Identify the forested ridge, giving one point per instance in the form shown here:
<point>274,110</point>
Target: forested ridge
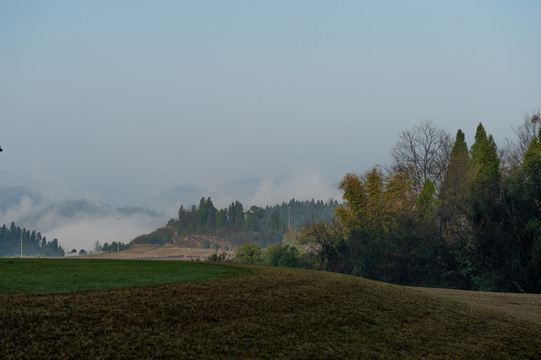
<point>442,214</point>
<point>235,226</point>
<point>33,243</point>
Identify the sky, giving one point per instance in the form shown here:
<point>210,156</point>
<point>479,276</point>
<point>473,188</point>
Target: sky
<point>155,103</point>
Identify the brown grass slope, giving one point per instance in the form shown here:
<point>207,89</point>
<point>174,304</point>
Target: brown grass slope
<point>524,306</point>
<point>263,313</point>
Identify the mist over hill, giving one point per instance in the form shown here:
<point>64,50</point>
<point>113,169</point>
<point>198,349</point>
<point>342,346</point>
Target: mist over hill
<point>11,196</point>
<point>77,224</point>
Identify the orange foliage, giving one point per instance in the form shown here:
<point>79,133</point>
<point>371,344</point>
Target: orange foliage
<point>374,202</point>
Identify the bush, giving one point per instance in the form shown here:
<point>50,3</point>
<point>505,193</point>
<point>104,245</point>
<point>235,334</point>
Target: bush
<point>223,257</point>
<point>248,254</point>
<point>286,256</point>
<point>290,257</point>
<point>272,255</point>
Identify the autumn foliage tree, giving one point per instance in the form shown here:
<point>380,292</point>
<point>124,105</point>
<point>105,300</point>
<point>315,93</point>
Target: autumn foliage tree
<point>388,225</point>
<point>466,222</point>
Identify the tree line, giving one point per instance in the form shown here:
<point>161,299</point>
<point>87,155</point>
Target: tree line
<point>257,225</point>
<point>442,214</point>
<point>33,243</point>
<point>109,248</point>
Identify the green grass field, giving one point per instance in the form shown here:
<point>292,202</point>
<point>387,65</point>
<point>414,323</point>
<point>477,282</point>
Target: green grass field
<point>257,312</point>
<point>50,276</point>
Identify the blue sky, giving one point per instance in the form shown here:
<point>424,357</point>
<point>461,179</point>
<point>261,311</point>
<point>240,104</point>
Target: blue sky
<point>121,101</point>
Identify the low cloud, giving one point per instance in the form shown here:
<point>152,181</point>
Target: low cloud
<point>84,233</point>
<point>79,224</point>
<point>306,184</point>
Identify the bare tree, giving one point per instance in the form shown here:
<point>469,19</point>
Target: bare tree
<point>423,152</point>
<point>512,154</point>
<point>527,132</point>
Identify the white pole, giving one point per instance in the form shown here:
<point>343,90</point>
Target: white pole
<point>289,218</point>
<point>21,243</point>
<point>118,244</point>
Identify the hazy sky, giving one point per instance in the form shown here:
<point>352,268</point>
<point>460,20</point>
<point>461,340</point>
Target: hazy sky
<point>121,101</point>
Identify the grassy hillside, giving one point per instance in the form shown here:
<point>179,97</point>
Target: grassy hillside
<point>260,313</point>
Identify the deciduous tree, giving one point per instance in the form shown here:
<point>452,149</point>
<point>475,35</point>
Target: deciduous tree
<point>423,153</point>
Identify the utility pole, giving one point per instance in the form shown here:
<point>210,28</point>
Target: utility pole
<point>289,218</point>
<point>118,244</point>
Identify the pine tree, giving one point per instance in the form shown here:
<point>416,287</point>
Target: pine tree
<point>275,227</point>
<point>236,215</point>
<point>221,220</point>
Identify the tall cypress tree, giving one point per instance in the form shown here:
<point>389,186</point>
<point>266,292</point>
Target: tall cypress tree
<point>485,184</point>
<point>454,188</point>
<point>480,138</point>
<point>489,248</point>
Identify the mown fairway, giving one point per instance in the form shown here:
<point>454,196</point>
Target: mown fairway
<point>260,312</point>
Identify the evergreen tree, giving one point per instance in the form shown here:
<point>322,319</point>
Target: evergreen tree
<point>531,167</point>
<point>485,184</point>
<point>275,228</point>
<point>427,205</point>
<point>488,247</point>
<point>206,216</point>
<point>221,220</point>
<point>480,138</point>
<point>530,210</point>
<point>253,219</point>
<point>32,242</point>
<point>454,191</point>
<point>236,215</point>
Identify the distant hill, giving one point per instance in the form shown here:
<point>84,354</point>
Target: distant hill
<point>83,208</point>
<point>77,224</point>
<point>206,226</point>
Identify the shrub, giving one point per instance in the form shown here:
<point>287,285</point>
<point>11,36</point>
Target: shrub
<point>223,257</point>
<point>248,254</point>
